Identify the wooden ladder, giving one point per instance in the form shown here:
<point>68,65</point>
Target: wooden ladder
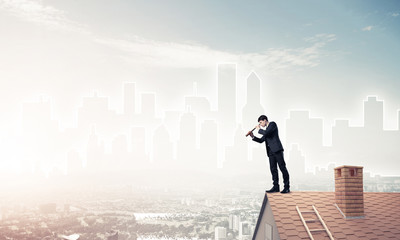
<point>310,231</point>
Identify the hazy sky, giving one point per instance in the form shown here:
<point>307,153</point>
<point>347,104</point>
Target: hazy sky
<point>326,56</point>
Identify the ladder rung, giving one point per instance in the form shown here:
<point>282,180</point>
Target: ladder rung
<point>311,220</point>
<point>317,230</point>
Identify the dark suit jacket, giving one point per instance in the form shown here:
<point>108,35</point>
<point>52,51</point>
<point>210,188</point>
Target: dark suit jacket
<point>271,138</point>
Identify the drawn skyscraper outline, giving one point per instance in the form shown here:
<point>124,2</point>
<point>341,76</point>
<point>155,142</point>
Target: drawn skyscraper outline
<point>227,90</point>
<point>373,113</point>
<point>253,107</point>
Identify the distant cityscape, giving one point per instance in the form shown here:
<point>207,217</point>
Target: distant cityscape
<point>125,212</point>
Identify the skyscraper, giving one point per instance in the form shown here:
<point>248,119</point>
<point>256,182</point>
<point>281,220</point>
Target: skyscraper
<point>227,91</point>
<point>236,222</point>
<point>226,104</point>
<point>296,162</point>
<point>253,108</point>
<point>220,233</point>
<point>244,231</point>
<point>373,113</point>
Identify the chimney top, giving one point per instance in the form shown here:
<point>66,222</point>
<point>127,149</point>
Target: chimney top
<point>348,166</point>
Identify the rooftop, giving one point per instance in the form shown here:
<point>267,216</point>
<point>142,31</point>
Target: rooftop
<point>381,218</point>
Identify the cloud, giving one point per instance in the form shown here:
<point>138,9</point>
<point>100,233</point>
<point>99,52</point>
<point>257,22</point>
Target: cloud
<point>189,55</point>
<point>395,14</point>
<point>367,28</point>
<point>35,11</point>
<point>169,54</point>
<point>321,38</point>
<point>142,52</point>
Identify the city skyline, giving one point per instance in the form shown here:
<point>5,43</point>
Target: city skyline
<point>136,137</point>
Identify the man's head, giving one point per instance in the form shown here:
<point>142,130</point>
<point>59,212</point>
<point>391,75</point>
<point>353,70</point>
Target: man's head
<point>262,120</point>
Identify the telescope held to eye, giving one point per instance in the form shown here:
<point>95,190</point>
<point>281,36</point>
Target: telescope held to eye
<point>250,132</point>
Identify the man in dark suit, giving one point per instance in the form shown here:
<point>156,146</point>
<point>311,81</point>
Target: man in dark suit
<point>274,152</point>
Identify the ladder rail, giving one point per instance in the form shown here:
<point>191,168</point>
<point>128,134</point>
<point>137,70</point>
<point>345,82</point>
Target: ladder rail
<point>304,223</point>
<point>325,229</point>
<point>323,223</point>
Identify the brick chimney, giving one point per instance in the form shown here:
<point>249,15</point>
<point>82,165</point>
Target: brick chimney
<point>349,194</point>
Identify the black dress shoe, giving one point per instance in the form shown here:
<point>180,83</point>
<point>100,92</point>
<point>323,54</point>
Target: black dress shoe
<point>285,190</point>
<point>273,189</point>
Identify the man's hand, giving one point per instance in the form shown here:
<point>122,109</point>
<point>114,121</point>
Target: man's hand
<point>251,134</point>
<point>258,127</point>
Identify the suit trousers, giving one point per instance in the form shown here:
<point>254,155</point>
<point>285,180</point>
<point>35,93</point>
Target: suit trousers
<point>274,160</point>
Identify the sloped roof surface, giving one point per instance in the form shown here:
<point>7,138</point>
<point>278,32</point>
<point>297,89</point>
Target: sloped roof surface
<point>381,220</point>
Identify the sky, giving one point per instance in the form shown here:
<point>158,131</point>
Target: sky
<point>325,56</point>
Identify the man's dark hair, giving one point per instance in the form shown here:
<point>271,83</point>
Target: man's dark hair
<point>262,118</point>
